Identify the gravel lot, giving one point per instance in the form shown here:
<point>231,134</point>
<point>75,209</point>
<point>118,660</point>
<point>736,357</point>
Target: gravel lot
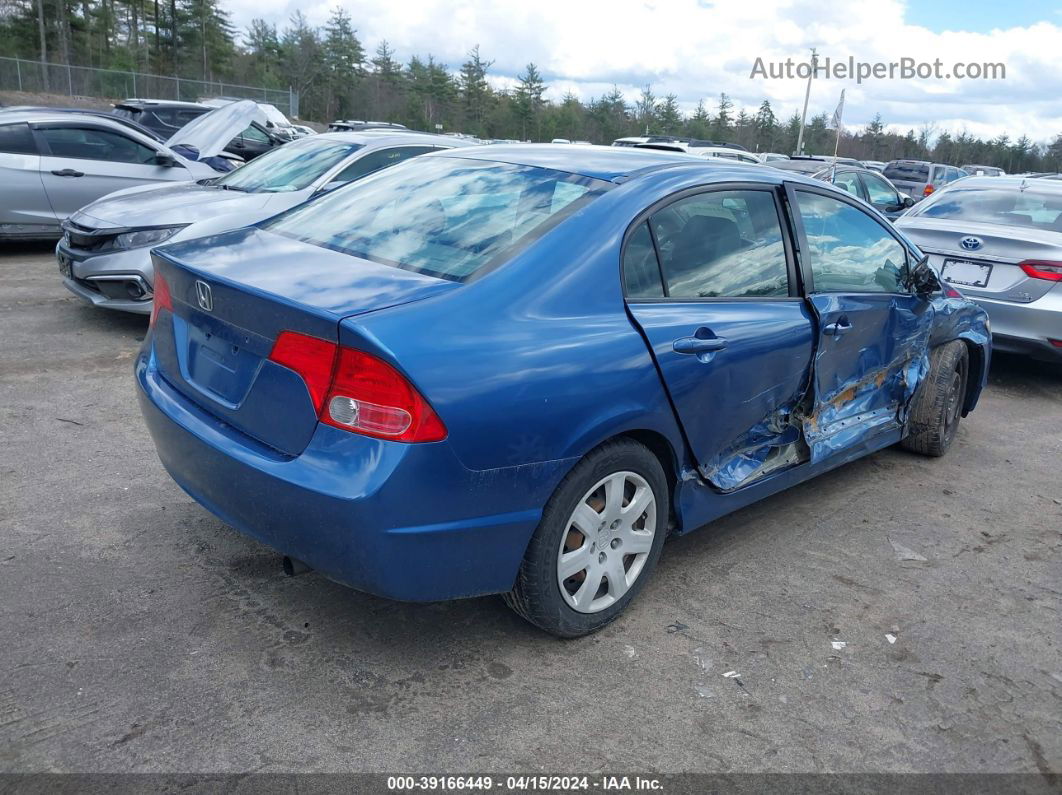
<point>142,634</point>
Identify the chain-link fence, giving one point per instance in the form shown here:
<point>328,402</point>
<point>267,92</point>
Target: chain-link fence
<point>19,74</point>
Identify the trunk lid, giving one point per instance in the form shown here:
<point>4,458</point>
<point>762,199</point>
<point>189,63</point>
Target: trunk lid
<point>234,293</point>
<point>981,260</point>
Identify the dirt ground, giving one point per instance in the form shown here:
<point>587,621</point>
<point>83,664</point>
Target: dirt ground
<point>142,634</point>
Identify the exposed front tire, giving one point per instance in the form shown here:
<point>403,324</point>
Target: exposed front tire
<point>937,406</point>
<point>600,537</point>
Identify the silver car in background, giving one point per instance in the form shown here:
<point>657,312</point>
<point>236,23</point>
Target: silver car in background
<point>920,178</point>
<point>998,240</point>
<point>52,163</point>
<point>104,253</point>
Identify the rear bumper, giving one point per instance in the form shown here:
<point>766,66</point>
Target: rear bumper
<point>401,521</point>
<point>1027,328</point>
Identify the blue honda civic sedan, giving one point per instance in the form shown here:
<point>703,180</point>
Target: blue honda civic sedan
<point>518,369</point>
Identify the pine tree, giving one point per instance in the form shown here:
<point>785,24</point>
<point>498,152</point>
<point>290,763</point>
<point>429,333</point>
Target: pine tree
<point>474,90</point>
<point>766,128</point>
<point>528,100</point>
<point>669,119</point>
<point>874,134</point>
<point>699,125</point>
<point>263,47</point>
<point>343,62</point>
<point>645,110</point>
<point>722,122</point>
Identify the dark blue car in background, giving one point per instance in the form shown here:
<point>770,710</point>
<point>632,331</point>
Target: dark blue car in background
<point>517,369</point>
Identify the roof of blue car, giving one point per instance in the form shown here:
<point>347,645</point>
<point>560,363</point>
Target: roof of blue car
<point>599,162</point>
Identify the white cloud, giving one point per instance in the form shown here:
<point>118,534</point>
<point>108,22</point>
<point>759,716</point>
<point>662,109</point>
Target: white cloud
<point>698,49</point>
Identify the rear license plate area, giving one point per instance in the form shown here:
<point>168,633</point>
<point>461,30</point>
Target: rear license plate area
<point>219,361</point>
<point>966,273</point>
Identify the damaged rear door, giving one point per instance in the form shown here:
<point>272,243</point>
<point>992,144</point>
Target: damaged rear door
<point>711,281</point>
<point>872,330</point>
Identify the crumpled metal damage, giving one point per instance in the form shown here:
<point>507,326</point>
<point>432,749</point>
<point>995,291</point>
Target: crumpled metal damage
<point>843,406</point>
<point>850,416</point>
<point>874,395</point>
<point>768,446</point>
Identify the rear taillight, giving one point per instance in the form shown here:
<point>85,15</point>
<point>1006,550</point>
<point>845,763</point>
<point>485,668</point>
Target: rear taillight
<point>951,292</point>
<point>927,190</point>
<point>162,299</point>
<point>310,357</point>
<point>358,392</point>
<point>1042,269</point>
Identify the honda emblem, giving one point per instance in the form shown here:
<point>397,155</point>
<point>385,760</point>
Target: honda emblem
<point>205,296</point>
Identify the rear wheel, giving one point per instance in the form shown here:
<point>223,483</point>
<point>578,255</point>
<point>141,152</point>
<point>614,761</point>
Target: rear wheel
<point>937,406</point>
<point>600,536</point>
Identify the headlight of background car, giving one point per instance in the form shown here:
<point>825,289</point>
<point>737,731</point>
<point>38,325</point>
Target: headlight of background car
<point>145,237</point>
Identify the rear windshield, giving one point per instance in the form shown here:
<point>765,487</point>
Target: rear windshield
<point>126,113</point>
<point>909,172</point>
<point>800,166</point>
<point>1011,207</point>
<point>442,216</point>
<point>291,167</point>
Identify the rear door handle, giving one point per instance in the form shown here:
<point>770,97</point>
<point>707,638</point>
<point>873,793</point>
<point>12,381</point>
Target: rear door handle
<point>698,345</point>
<point>842,326</point>
<point>68,172</point>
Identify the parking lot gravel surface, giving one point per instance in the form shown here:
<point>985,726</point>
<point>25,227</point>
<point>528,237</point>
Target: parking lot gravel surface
<point>899,614</point>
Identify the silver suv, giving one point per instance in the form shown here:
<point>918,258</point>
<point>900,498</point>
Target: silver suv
<point>919,178</point>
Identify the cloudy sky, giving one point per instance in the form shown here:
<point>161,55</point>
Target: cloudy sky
<point>697,48</point>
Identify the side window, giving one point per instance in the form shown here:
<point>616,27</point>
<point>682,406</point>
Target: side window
<point>165,115</point>
<point>848,251</point>
<point>722,244</point>
<point>17,139</point>
<point>381,158</point>
<point>879,191</point>
<point>641,272</point>
<point>252,133</point>
<point>848,181</point>
<point>185,116</point>
<point>91,144</point>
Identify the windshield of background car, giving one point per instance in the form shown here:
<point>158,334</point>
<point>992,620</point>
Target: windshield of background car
<point>1010,207</point>
<point>907,172</point>
<point>290,167</point>
<point>443,216</point>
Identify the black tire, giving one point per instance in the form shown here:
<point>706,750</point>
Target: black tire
<point>937,406</point>
<point>536,596</point>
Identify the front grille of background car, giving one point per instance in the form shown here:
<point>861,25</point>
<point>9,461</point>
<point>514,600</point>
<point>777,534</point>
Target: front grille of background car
<point>85,238</point>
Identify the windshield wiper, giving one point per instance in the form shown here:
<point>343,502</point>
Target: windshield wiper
<point>233,187</point>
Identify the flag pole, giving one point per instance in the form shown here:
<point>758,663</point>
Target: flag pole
<point>807,96</point>
<point>837,114</point>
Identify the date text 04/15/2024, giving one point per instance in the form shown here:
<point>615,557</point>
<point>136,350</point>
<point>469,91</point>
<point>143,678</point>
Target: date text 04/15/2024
<point>531,783</point>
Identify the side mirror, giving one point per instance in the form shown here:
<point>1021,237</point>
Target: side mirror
<point>907,201</point>
<point>165,159</point>
<point>923,279</point>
